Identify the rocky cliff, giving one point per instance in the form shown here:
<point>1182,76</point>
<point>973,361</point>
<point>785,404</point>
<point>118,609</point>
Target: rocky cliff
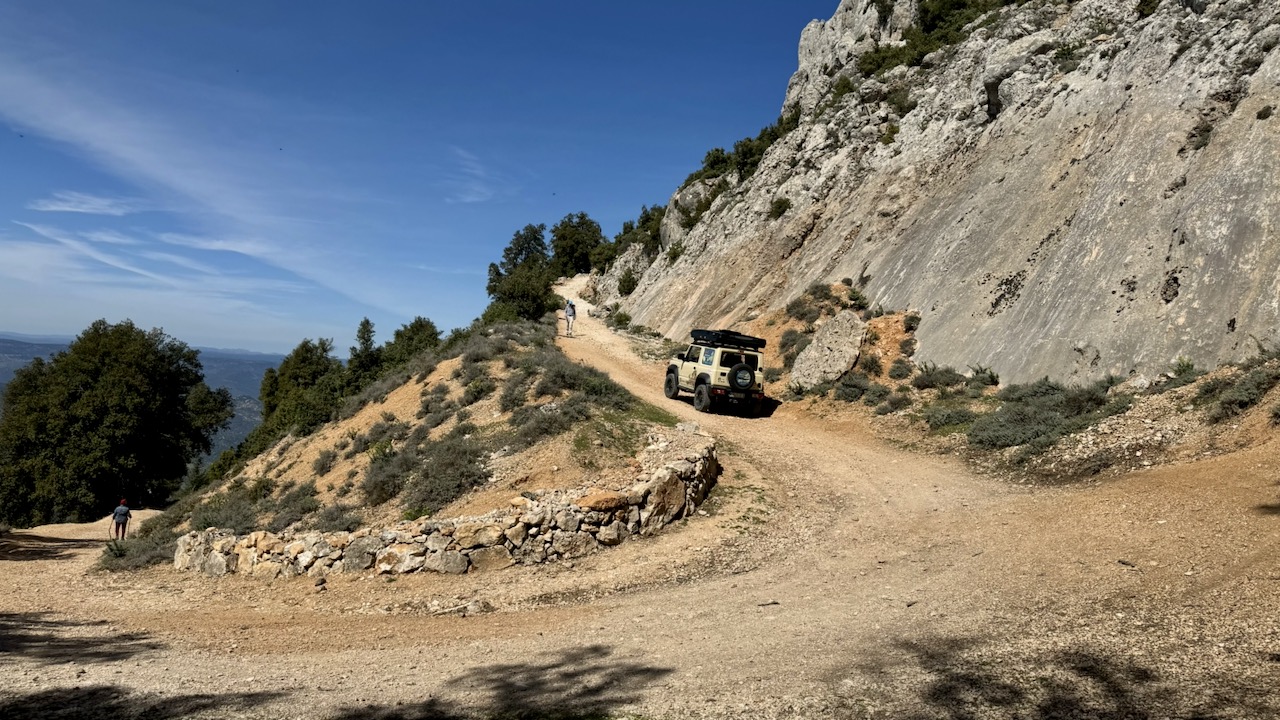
<point>1073,189</point>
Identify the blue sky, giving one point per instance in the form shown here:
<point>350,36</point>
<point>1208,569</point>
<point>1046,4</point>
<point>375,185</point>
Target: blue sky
<point>249,174</point>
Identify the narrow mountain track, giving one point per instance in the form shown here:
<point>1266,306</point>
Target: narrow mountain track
<point>836,576</point>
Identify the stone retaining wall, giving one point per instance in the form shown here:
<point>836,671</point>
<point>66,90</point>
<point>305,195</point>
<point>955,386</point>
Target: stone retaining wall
<point>536,528</point>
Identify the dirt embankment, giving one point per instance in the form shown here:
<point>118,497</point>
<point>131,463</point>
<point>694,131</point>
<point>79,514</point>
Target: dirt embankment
<point>835,576</point>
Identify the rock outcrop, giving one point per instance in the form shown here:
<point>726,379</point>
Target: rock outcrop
<point>536,528</point>
<point>832,353</point>
<point>1073,190</point>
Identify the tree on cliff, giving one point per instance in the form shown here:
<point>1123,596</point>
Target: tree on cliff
<point>119,413</point>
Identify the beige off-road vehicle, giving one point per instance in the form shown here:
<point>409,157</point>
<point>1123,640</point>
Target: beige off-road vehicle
<point>720,367</point>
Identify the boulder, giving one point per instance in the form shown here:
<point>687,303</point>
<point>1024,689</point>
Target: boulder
<point>361,552</point>
<point>602,501</point>
<point>664,502</point>
<point>448,562</point>
<point>572,544</point>
<point>832,353</point>
<point>491,558</point>
<point>472,535</point>
<point>613,533</point>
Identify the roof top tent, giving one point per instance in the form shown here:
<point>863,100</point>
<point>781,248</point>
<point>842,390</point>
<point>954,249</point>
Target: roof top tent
<point>727,338</point>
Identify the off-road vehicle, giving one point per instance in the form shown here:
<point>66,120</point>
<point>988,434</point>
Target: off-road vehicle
<point>719,367</point>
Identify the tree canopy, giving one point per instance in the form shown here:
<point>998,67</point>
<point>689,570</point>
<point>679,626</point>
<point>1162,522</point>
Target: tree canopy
<point>118,414</point>
<point>573,239</point>
<point>521,284</point>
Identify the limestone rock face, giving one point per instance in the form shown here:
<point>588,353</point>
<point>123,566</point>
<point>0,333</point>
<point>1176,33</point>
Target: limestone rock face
<point>832,352</point>
<point>1071,191</point>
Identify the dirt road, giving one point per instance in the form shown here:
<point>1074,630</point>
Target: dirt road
<point>839,577</point>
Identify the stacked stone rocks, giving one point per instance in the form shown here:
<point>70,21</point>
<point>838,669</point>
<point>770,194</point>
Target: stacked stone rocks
<point>537,528</point>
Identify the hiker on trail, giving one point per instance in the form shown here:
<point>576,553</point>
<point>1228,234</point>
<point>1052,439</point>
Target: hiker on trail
<point>120,516</point>
<point>570,313</point>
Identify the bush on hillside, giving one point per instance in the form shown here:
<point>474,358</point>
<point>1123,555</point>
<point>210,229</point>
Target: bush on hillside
<point>1037,414</point>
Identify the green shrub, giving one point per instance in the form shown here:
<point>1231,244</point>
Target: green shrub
<point>139,552</point>
<point>900,369</point>
<point>515,391</point>
<point>939,416</point>
<point>619,319</point>
<point>820,292</point>
<point>803,310</point>
<point>627,282</point>
<point>900,100</point>
<point>336,518</point>
<point>674,251</point>
<point>294,505</point>
<point>932,376</point>
<point>1275,415</point>
<point>773,374</point>
<point>1247,391</point>
<point>1265,112</point>
<point>1037,414</point>
<point>477,390</point>
<point>870,364</point>
<point>907,346</point>
<point>910,322</point>
<point>789,357</point>
<point>779,207</point>
<point>875,394</point>
<point>857,300</point>
<point>324,462</point>
<point>895,402</point>
<point>982,376</point>
<point>386,477</point>
<point>1146,8</point>
<point>228,511</point>
<point>890,134</point>
<point>852,386</point>
<point>1183,372</point>
<point>789,339</point>
<point>449,468</point>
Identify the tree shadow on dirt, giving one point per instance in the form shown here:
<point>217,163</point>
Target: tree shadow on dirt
<point>38,636</point>
<point>25,547</point>
<point>963,679</point>
<point>111,701</point>
<point>1268,509</point>
<point>571,685</point>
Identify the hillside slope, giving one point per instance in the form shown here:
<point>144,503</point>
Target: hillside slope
<point>1073,190</point>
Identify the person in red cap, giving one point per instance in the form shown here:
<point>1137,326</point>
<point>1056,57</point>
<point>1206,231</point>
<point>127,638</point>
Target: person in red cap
<point>121,517</point>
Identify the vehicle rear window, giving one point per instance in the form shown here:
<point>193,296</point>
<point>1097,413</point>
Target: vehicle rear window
<point>730,359</point>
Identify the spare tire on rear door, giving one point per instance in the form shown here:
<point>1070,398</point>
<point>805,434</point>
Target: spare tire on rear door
<point>741,377</point>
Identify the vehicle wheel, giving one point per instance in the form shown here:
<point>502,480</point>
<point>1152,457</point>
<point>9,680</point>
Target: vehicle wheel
<point>741,377</point>
<point>671,388</point>
<point>702,399</point>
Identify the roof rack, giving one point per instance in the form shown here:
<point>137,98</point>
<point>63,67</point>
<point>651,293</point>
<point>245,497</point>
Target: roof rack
<point>727,338</point>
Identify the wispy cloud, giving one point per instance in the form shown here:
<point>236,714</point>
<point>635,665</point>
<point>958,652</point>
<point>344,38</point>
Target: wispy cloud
<point>94,253</point>
<point>471,181</point>
<point>244,246</point>
<point>77,202</point>
<point>109,237</point>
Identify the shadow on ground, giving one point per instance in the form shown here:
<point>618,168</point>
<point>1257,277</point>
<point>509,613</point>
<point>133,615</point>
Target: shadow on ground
<point>963,679</point>
<point>571,685</point>
<point>1268,509</point>
<point>40,636</point>
<point>110,701</point>
<point>25,546</point>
